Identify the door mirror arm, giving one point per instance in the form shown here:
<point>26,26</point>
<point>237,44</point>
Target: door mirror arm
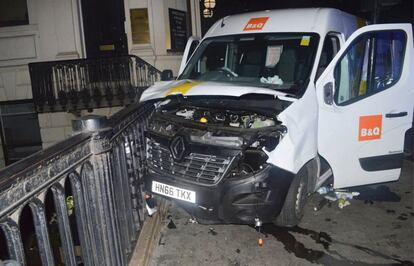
<point>328,93</point>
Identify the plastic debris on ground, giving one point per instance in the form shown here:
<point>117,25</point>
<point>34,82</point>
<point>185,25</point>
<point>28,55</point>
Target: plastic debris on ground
<point>343,197</point>
<point>192,221</point>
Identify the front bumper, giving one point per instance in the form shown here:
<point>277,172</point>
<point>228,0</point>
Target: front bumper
<point>234,199</point>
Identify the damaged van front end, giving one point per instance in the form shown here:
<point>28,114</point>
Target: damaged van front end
<point>230,135</point>
<point>273,105</point>
<point>212,154</point>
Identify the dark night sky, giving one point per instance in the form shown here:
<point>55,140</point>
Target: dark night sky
<point>403,12</point>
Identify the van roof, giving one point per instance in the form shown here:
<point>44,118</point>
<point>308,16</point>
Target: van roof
<point>319,20</point>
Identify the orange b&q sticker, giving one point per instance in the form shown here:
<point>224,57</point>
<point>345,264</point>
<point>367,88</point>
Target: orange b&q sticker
<point>256,24</point>
<point>370,127</point>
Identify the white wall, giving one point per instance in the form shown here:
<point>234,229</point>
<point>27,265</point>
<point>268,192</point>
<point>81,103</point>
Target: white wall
<point>55,33</point>
<point>55,127</point>
<point>156,52</point>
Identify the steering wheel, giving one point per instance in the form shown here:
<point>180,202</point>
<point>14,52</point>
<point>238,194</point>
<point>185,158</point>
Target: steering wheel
<point>219,74</point>
<point>227,72</point>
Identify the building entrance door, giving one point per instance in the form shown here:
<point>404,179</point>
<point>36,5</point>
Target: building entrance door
<point>104,30</point>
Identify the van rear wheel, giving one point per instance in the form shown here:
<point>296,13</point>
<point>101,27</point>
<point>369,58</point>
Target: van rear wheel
<point>293,208</point>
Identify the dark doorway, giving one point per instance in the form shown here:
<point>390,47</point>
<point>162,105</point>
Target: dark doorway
<point>19,130</point>
<point>103,24</point>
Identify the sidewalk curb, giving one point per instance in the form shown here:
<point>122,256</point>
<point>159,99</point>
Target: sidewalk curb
<point>149,236</point>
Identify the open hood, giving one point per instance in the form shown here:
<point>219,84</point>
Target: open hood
<point>208,88</point>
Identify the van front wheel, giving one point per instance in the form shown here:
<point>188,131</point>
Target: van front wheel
<point>293,208</point>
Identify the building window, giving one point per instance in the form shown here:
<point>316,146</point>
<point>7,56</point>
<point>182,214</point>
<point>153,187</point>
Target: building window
<point>13,12</point>
<point>20,132</point>
<point>140,26</point>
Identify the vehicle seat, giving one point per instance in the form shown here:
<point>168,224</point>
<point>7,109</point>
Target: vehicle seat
<point>250,65</point>
<point>286,66</point>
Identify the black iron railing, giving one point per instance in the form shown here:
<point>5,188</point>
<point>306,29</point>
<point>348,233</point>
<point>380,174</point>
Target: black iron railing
<point>80,84</point>
<point>80,201</point>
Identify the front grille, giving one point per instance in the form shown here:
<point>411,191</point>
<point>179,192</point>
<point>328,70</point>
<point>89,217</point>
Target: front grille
<point>195,167</point>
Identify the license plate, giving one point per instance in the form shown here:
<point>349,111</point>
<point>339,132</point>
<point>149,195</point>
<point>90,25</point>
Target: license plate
<point>173,192</point>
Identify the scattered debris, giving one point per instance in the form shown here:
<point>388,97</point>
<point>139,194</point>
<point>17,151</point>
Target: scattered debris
<point>258,225</point>
<point>192,221</point>
<point>171,225</point>
<point>331,195</point>
<point>212,231</point>
<point>342,203</point>
<point>324,190</point>
<point>320,204</point>
<point>260,242</point>
<point>238,251</point>
<point>160,243</point>
<point>150,205</point>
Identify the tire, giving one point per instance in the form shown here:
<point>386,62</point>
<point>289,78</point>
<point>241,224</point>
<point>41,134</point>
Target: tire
<point>296,198</point>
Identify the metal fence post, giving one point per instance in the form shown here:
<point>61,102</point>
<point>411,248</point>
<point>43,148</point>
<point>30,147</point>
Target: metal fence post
<point>99,192</point>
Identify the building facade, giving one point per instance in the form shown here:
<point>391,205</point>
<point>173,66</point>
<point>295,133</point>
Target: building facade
<point>48,30</point>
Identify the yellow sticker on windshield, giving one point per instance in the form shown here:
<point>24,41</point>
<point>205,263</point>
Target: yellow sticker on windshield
<point>182,88</point>
<point>305,41</point>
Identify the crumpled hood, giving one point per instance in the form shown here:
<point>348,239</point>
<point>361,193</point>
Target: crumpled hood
<point>208,88</point>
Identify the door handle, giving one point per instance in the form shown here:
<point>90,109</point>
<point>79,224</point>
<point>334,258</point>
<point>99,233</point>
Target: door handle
<point>393,115</point>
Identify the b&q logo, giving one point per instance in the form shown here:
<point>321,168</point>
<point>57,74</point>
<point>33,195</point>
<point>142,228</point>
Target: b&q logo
<point>370,127</point>
<point>256,23</point>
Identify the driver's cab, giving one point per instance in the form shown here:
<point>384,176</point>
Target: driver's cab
<point>282,49</point>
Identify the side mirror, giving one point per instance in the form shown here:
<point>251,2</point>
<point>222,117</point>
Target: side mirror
<point>328,93</point>
<point>167,75</point>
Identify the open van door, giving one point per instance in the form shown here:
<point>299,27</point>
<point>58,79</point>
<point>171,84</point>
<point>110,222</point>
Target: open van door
<point>190,47</point>
<point>366,102</point>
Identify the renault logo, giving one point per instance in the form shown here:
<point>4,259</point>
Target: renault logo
<point>177,148</point>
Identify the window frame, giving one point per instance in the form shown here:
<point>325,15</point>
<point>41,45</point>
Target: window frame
<point>369,91</point>
<point>330,34</point>
<point>4,144</point>
<point>14,23</point>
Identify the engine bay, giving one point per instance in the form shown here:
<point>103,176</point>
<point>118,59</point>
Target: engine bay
<point>230,118</point>
<point>243,134</point>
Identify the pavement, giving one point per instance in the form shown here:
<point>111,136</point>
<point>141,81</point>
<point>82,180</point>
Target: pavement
<point>376,229</point>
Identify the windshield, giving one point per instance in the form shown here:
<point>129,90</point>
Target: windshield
<point>279,61</point>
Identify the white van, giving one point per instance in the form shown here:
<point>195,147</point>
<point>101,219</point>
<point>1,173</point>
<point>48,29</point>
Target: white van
<point>272,105</point>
